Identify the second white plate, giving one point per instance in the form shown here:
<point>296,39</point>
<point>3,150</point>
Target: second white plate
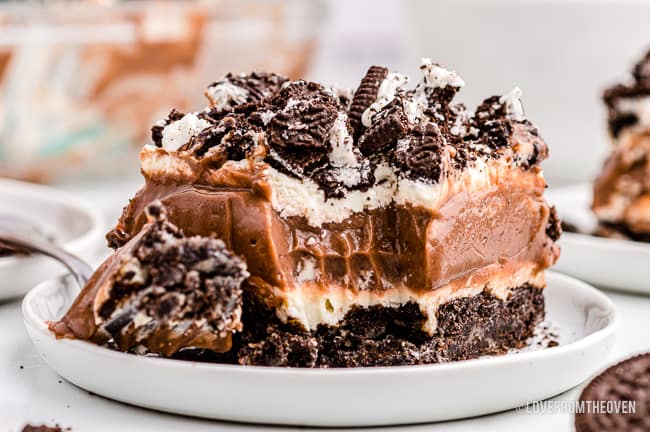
<point>584,318</point>
<point>611,263</point>
<point>68,221</point>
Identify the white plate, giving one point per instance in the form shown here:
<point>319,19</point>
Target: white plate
<point>66,220</point>
<point>612,263</point>
<point>584,317</point>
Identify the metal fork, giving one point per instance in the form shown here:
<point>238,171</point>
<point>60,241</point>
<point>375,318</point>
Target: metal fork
<point>23,236</point>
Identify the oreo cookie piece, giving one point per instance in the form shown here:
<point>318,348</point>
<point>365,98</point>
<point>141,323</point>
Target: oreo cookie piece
<point>296,164</point>
<point>236,90</point>
<point>304,114</point>
<point>365,95</point>
<point>554,225</point>
<point>619,120</point>
<point>618,399</point>
<point>234,136</point>
<point>641,71</point>
<point>420,155</point>
<point>389,125</point>
<point>491,121</point>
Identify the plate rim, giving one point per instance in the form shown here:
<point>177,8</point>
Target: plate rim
<point>32,321</point>
<point>52,194</point>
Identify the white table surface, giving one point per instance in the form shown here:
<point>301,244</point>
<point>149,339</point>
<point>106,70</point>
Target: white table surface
<point>31,392</point>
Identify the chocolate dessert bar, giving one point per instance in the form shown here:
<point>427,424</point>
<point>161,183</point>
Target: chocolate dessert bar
<point>621,196</point>
<point>384,226</point>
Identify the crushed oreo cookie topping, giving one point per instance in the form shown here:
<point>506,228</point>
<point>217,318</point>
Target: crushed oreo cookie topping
<point>421,155</point>
<point>628,103</point>
<point>337,139</point>
<point>235,90</point>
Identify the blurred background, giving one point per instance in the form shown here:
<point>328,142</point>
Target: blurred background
<point>81,82</point>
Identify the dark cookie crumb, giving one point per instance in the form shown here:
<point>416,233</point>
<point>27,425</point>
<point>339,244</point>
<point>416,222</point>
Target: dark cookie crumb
<point>639,87</point>
<point>554,225</point>
<point>256,85</point>
<point>44,428</point>
<point>492,123</point>
<point>641,70</point>
<point>281,348</point>
<point>569,227</point>
<point>621,231</point>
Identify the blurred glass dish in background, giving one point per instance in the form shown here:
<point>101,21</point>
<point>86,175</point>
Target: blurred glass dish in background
<point>82,82</point>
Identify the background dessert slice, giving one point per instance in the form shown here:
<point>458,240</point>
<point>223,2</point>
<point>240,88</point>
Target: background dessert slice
<point>621,198</point>
<point>160,293</point>
<point>383,226</point>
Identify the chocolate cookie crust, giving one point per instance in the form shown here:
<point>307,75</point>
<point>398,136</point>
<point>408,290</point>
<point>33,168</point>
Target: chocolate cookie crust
<point>620,231</point>
<point>380,336</point>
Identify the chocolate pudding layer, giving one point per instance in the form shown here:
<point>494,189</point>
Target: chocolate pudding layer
<point>621,199</point>
<point>384,207</point>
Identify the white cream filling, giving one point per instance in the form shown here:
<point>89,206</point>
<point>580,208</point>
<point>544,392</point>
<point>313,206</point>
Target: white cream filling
<point>342,156</point>
<point>295,197</point>
<point>614,210</point>
<point>342,153</point>
<point>640,107</point>
<point>514,107</point>
<point>179,132</point>
<point>438,77</point>
<point>311,306</point>
<point>307,271</point>
<point>266,117</point>
<point>226,95</point>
